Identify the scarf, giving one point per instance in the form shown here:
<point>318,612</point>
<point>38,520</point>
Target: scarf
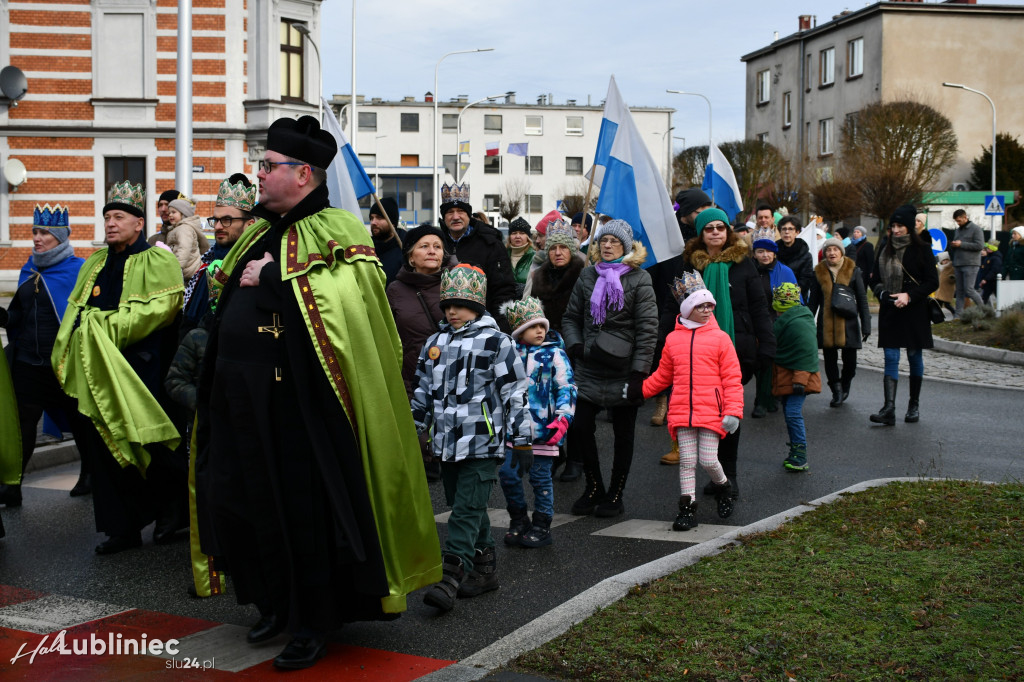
<point>515,253</point>
<point>690,324</point>
<point>716,278</point>
<point>892,266</point>
<point>52,256</point>
<point>607,290</point>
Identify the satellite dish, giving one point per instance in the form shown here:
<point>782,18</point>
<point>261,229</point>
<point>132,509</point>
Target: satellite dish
<point>13,83</point>
<point>14,172</point>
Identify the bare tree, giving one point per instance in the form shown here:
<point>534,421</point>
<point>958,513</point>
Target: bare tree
<point>895,151</point>
<point>758,166</point>
<point>835,196</point>
<point>512,195</point>
<point>688,168</point>
<point>574,193</point>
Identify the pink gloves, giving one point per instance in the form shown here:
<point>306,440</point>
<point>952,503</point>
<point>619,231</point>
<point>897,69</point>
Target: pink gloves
<point>559,426</point>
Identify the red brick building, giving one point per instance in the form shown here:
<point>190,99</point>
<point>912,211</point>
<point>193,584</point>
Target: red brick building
<point>100,108</point>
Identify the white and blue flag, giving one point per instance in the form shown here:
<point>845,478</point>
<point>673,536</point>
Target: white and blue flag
<point>721,181</point>
<point>632,186</point>
<point>347,181</point>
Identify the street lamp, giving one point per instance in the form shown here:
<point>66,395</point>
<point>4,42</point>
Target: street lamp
<point>433,154</point>
<point>458,130</point>
<point>303,30</point>
<point>991,218</point>
<point>697,94</point>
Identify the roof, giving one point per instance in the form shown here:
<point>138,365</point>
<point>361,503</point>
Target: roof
<point>877,8</point>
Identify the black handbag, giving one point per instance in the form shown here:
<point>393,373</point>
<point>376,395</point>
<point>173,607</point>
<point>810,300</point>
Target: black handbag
<point>844,301</point>
<point>611,350</point>
<point>935,313</point>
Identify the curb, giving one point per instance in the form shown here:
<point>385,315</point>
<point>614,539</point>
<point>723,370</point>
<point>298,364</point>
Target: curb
<point>54,454</point>
<point>543,629</point>
<point>967,350</point>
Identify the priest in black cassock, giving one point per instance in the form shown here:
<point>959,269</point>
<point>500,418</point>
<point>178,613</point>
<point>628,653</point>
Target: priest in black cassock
<point>310,487</point>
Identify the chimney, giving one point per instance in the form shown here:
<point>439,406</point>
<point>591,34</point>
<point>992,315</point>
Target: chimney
<point>805,22</point>
<point>540,99</point>
<point>510,97</point>
<point>429,97</point>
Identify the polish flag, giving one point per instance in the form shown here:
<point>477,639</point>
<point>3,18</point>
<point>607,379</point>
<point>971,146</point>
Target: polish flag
<point>492,149</point>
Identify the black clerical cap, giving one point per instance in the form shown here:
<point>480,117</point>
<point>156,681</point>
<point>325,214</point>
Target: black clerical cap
<point>302,139</point>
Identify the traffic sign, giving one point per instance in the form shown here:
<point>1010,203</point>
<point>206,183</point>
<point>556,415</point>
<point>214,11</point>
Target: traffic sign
<point>995,204</point>
<point>938,240</point>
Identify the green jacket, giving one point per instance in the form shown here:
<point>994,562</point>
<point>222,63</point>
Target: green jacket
<point>796,338</point>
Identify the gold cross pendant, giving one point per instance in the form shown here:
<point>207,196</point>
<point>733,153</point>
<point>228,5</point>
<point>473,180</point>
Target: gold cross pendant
<point>276,329</point>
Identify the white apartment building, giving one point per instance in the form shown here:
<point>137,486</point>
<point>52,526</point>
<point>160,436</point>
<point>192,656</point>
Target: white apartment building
<point>394,140</point>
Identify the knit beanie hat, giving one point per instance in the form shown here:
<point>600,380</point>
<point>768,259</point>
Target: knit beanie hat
<point>184,206</point>
<point>53,220</point>
<point>390,208</point>
<point>764,238</point>
<point>1019,230</point>
<point>690,200</point>
<point>519,225</point>
<point>709,214</point>
<point>524,314</point>
<point>838,243</point>
<point>562,234</point>
<point>464,285</point>
<point>785,296</point>
<point>170,195</point>
<point>859,228</point>
<point>621,230</point>
<point>992,246</point>
<point>904,215</point>
<point>578,218</point>
<point>417,233</point>
<point>549,217</point>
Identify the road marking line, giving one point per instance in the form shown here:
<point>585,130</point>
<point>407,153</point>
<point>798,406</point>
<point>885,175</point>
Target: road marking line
<point>53,482</point>
<point>641,529</point>
<point>54,612</point>
<point>226,644</point>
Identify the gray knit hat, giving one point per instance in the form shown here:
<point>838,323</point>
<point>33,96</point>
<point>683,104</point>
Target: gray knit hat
<point>838,243</point>
<point>619,229</point>
<point>183,206</point>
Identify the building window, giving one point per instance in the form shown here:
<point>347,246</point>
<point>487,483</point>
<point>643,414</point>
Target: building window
<point>410,123</point>
<point>851,125</point>
<point>573,125</point>
<point>492,202</point>
<point>827,64</point>
<point>787,109</point>
<point>764,81</point>
<point>855,58</point>
<point>448,161</point>
<point>534,203</point>
<point>368,160</point>
<point>534,165</point>
<point>368,121</point>
<point>492,165</point>
<point>534,125</point>
<point>807,73</point>
<point>410,160</point>
<point>121,168</point>
<point>449,122</point>
<point>826,137</point>
<point>291,60</point>
<point>762,137</point>
<point>492,123</point>
<point>574,165</point>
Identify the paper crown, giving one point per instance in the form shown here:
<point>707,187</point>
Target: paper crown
<point>522,313</point>
<point>236,195</point>
<point>128,194</point>
<point>465,284</point>
<point>689,283</point>
<point>560,232</point>
<point>45,216</point>
<point>763,233</point>
<point>453,193</point>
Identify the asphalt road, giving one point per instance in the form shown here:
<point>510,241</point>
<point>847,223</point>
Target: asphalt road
<point>966,431</point>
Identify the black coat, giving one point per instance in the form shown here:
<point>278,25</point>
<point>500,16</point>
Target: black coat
<point>798,258</point>
<point>483,247</point>
<point>389,251</point>
<point>909,327</point>
<point>863,256</point>
<point>553,286</point>
<point>834,331</point>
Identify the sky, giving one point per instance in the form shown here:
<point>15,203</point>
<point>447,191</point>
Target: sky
<point>567,48</point>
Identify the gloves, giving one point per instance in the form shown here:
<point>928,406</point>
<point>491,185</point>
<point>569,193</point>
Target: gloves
<point>635,387</point>
<point>798,389</point>
<point>730,423</point>
<point>559,426</point>
<point>522,459</point>
<point>866,335</point>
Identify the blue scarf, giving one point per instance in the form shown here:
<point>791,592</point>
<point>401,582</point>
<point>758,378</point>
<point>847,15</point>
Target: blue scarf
<point>59,279</point>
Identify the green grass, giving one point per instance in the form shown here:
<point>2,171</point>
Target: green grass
<point>915,581</point>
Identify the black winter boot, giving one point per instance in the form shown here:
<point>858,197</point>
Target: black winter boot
<point>724,499</point>
<point>10,495</point>
<point>837,394</point>
<point>592,494</point>
<point>540,534</point>
<point>442,594</point>
<point>612,505</point>
<point>913,415</point>
<point>483,577</point>
<point>887,415</point>
<point>519,523</point>
<point>687,517</point>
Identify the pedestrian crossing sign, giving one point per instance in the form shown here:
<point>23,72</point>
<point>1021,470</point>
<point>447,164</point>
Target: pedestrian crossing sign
<point>994,204</point>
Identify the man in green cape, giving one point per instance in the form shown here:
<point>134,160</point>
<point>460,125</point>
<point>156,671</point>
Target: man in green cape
<point>109,354</point>
<point>309,483</point>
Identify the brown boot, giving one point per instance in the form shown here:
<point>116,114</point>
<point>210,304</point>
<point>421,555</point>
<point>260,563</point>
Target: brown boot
<point>671,458</point>
<point>660,410</point>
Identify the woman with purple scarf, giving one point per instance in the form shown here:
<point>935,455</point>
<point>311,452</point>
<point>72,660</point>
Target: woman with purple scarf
<point>610,329</point>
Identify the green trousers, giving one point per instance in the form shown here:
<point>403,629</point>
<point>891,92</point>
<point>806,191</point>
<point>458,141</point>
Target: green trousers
<point>467,488</point>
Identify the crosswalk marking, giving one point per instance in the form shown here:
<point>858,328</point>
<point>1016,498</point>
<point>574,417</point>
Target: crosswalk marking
<point>662,530</point>
<point>63,482</point>
<point>54,612</point>
<point>226,645</point>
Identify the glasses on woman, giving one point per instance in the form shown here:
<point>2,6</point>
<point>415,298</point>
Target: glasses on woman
<point>716,227</point>
<point>705,307</point>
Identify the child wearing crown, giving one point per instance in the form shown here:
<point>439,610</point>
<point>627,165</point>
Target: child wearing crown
<point>795,373</point>
<point>470,393</point>
<point>552,401</point>
<point>700,363</point>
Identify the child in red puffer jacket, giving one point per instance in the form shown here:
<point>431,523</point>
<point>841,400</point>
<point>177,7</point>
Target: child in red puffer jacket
<point>699,362</point>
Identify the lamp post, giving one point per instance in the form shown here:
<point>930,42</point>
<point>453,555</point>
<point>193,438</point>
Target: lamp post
<point>697,94</point>
<point>991,218</point>
<point>303,30</point>
<point>458,131</point>
<point>433,154</point>
<point>668,166</point>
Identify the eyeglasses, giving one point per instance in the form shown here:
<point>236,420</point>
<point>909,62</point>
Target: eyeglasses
<point>226,221</point>
<point>268,166</point>
<point>705,307</point>
<point>716,228</point>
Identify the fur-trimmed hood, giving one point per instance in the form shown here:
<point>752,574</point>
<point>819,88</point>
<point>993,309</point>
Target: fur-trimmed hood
<point>634,260</point>
<point>697,255</point>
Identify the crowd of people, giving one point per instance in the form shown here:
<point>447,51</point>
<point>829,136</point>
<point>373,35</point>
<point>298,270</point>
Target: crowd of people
<point>282,396</point>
